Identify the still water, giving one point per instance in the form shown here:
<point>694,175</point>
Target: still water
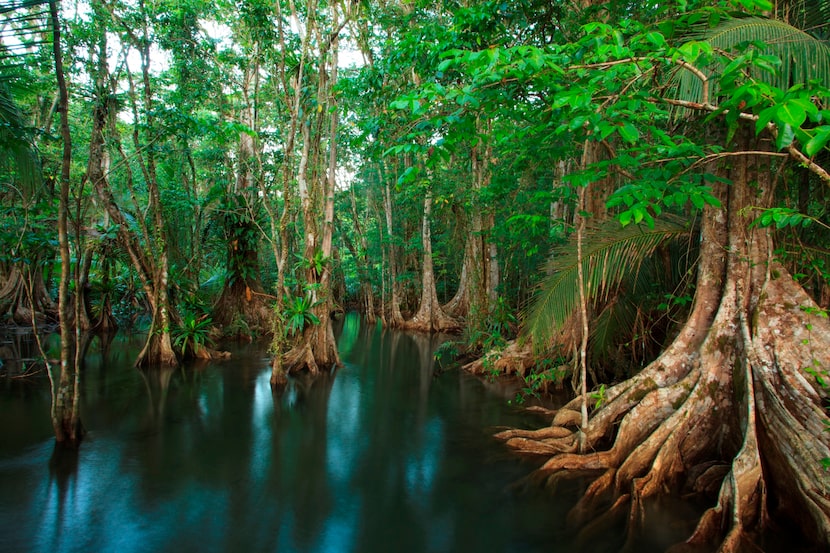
<point>384,456</point>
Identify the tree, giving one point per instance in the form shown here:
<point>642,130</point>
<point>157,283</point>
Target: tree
<point>734,404</point>
<point>243,302</point>
<point>316,179</point>
<point>27,200</point>
<point>66,394</point>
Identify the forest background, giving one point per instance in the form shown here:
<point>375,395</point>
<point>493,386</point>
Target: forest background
<point>629,196</point>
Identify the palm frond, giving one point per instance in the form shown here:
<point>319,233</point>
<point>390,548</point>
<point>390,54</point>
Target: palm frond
<point>812,16</point>
<point>615,320</point>
<point>611,255</point>
<point>16,146</point>
<point>803,56</point>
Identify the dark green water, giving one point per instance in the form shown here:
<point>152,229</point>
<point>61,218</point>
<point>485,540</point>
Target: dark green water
<point>383,456</point>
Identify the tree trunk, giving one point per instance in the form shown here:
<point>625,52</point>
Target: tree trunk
<point>292,89</point>
<point>394,317</point>
<point>479,279</point>
<point>367,294</point>
<point>23,294</point>
<point>727,405</point>
<point>318,348</point>
<point>430,317</point>
<point>106,323</point>
<point>66,400</point>
<point>459,306</point>
<point>243,307</point>
<point>84,265</point>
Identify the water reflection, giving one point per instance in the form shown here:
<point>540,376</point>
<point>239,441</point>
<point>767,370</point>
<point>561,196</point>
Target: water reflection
<point>382,456</point>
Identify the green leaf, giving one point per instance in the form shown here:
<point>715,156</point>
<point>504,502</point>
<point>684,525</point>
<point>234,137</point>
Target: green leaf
<point>785,137</point>
<point>657,39</point>
<point>629,133</point>
<point>790,113</point>
<point>819,140</point>
<point>764,118</point>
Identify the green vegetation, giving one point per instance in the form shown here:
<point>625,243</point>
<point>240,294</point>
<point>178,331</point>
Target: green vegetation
<point>193,333</point>
<point>637,191</point>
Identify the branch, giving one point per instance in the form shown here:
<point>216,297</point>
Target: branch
<point>793,152</point>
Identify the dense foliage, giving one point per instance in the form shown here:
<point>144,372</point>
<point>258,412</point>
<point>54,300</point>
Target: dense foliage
<point>545,171</point>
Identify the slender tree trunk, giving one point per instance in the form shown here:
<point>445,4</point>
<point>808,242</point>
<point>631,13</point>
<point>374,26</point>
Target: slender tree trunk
<point>243,299</point>
<point>65,416</point>
<point>83,267</point>
<point>318,349</point>
<point>292,97</point>
<point>459,306</point>
<point>395,318</point>
<point>159,347</point>
<point>479,279</point>
<point>367,300</point>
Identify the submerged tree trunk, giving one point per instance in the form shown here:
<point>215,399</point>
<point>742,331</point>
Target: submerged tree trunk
<point>728,406</point>
<point>66,392</point>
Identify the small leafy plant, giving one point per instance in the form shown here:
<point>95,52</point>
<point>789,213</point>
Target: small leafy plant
<point>447,353</point>
<point>193,333</point>
<point>298,314</point>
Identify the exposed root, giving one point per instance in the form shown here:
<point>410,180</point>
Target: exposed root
<point>541,434</point>
<point>543,447</point>
<point>209,354</point>
<point>432,321</point>
<point>301,357</point>
<point>544,411</point>
<point>515,358</point>
<point>678,426</point>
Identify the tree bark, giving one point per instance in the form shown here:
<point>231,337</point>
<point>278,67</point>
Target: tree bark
<point>66,400</point>
<point>728,404</point>
<point>430,317</point>
<point>242,305</point>
<point>394,316</point>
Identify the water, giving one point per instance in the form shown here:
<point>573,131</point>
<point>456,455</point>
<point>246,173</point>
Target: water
<point>383,456</point>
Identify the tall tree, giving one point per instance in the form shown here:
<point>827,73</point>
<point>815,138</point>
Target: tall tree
<point>316,177</point>
<point>243,303</point>
<point>66,393</point>
<point>742,378</point>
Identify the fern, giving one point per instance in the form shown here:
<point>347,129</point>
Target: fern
<point>16,146</point>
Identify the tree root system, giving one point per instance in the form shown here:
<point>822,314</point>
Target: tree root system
<point>731,409</point>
